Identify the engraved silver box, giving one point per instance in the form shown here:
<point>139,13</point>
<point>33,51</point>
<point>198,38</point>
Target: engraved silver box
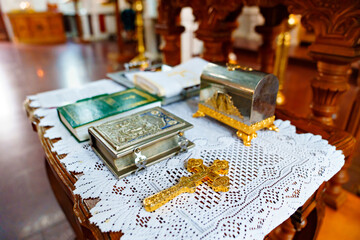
<point>131,143</point>
<point>240,97</point>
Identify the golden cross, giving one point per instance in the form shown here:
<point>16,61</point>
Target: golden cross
<point>181,73</point>
<point>188,184</point>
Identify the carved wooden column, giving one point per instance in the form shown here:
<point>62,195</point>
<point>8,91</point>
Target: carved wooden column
<point>309,218</point>
<point>217,20</point>
<point>285,231</point>
<point>320,210</point>
<point>305,223</point>
<point>3,32</point>
<point>168,27</point>
<point>335,196</point>
<point>272,27</point>
<point>119,27</point>
<point>337,29</point>
<point>78,20</point>
<point>330,83</point>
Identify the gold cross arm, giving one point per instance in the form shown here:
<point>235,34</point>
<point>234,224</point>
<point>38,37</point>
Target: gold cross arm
<point>181,73</point>
<point>202,173</point>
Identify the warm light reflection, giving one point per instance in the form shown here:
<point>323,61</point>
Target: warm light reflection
<point>72,67</point>
<point>232,58</point>
<point>9,104</point>
<point>24,5</point>
<point>292,20</point>
<point>73,76</point>
<point>40,73</point>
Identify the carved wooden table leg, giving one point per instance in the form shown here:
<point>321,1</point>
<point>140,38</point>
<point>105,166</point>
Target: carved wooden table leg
<point>336,25</point>
<point>269,31</point>
<point>285,231</point>
<point>308,219</point>
<point>305,223</point>
<point>168,27</point>
<point>335,196</point>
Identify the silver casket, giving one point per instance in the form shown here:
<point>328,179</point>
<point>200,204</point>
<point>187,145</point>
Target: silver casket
<point>242,98</point>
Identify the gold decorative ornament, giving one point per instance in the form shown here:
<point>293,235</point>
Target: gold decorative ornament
<point>223,103</point>
<point>202,173</point>
<point>245,132</point>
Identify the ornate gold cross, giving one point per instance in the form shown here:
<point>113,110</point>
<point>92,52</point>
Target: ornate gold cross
<point>201,174</point>
<point>181,73</point>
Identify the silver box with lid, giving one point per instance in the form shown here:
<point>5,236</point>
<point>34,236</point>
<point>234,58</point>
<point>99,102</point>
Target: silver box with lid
<point>131,143</point>
<point>240,97</point>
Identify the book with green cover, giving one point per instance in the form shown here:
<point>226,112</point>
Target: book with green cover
<point>79,116</point>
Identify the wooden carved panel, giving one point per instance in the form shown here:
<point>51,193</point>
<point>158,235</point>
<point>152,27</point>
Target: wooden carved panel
<point>334,21</point>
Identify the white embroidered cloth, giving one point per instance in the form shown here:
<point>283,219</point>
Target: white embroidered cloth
<point>269,181</point>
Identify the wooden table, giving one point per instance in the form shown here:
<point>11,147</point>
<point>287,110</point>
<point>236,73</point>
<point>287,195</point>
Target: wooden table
<point>336,25</point>
<point>303,224</point>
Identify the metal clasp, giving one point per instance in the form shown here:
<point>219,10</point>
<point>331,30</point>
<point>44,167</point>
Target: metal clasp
<point>140,160</point>
<point>183,142</point>
<point>190,91</point>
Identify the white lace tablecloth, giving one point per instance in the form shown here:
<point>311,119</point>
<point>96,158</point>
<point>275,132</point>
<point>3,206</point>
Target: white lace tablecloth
<point>269,180</point>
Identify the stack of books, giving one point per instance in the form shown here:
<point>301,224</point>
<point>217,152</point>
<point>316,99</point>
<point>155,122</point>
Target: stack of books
<point>128,129</point>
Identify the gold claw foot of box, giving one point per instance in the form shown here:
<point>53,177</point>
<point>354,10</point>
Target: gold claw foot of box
<point>272,127</point>
<point>246,137</point>
<point>198,114</point>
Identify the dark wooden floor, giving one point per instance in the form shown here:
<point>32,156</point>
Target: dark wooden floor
<point>28,209</point>
<point>27,205</point>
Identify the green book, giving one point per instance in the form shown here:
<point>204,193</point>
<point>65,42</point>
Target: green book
<point>79,116</point>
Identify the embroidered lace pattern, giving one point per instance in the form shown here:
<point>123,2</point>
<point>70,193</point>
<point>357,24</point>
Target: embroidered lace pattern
<point>269,181</point>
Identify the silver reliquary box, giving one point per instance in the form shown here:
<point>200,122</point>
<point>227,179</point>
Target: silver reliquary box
<point>131,143</point>
<point>240,97</point>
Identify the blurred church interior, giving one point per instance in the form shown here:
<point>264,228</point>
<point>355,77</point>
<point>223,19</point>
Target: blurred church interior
<point>51,44</point>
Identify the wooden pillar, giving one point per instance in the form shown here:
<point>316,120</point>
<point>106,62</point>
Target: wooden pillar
<point>78,20</point>
<point>3,32</point>
<point>305,223</point>
<point>335,196</point>
<point>124,52</point>
<point>308,218</point>
<point>170,30</point>
<point>217,42</point>
<point>353,122</point>
<point>217,20</point>
<point>320,210</point>
<point>171,45</point>
<point>272,27</point>
<point>119,27</point>
<point>285,231</point>
<point>329,84</point>
<point>336,25</point>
